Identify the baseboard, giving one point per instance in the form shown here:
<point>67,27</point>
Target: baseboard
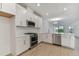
<point>45,43</point>
<point>23,52</point>
<point>55,45</point>
<point>68,47</point>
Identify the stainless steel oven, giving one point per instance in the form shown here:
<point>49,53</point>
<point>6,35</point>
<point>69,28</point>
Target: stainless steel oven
<point>33,39</point>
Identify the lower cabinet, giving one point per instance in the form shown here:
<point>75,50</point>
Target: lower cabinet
<point>45,37</point>
<point>22,44</point>
<point>68,41</point>
<point>27,43</point>
<point>65,42</point>
<point>50,38</point>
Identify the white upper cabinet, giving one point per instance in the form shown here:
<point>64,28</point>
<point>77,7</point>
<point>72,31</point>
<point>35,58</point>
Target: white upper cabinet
<point>29,15</point>
<point>20,16</point>
<point>38,21</point>
<point>23,15</point>
<point>33,17</point>
<point>7,9</point>
<point>17,18</point>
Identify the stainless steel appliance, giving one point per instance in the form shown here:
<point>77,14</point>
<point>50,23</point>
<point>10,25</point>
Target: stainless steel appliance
<point>33,39</point>
<point>30,23</point>
<point>56,39</point>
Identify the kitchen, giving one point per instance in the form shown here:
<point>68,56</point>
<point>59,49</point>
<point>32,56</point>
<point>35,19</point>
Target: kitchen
<point>26,24</point>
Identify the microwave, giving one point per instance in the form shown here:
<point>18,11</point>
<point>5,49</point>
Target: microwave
<point>30,23</point>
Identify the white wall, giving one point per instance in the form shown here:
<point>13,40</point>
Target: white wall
<point>51,30</point>
<point>75,26</point>
<point>45,35</point>
<point>45,25</point>
<point>4,36</point>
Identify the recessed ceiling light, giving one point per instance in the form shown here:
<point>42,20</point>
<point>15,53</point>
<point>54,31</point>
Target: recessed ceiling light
<point>46,13</point>
<point>38,4</point>
<point>70,27</point>
<point>65,9</point>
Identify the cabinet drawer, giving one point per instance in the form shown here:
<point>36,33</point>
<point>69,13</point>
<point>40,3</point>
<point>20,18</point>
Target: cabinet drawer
<point>19,45</point>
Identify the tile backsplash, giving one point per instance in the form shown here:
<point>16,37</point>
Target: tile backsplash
<point>22,30</point>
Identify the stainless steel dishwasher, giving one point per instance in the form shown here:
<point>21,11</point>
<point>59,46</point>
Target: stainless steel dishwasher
<point>56,39</point>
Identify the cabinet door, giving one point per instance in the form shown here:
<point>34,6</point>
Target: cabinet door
<point>23,16</point>
<point>36,20</point>
<point>9,8</point>
<point>36,24</point>
<point>39,23</point>
<point>50,38</point>
<point>27,43</point>
<point>23,20</point>
<point>65,41</point>
<point>0,5</point>
<point>72,42</point>
<point>20,16</point>
<point>19,45</point>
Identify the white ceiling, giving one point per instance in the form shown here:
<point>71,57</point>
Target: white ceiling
<point>57,10</point>
<point>53,9</point>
